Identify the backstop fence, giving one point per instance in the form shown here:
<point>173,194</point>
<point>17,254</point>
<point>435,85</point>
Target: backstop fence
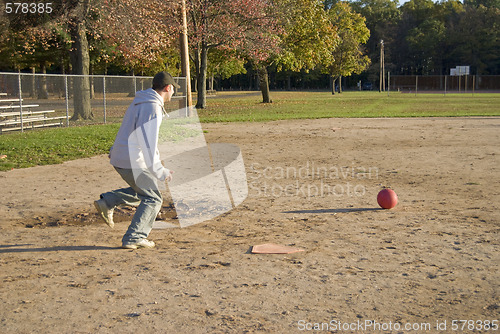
<point>444,83</point>
<point>110,96</point>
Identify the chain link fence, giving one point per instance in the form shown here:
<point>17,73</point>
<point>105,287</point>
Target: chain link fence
<point>26,94</point>
<point>444,83</point>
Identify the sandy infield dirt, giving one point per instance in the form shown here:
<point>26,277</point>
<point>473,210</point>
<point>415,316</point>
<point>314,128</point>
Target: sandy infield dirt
<point>432,259</point>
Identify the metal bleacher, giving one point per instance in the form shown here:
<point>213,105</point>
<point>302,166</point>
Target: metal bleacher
<point>16,116</point>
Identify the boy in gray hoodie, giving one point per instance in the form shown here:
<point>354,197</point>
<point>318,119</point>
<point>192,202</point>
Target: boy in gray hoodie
<point>135,156</point>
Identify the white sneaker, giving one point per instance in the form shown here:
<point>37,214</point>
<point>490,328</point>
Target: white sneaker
<point>144,243</point>
<point>105,213</point>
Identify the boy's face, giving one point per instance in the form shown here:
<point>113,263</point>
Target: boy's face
<point>170,90</point>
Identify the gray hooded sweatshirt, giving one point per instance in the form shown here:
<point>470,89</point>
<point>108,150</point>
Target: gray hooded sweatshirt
<point>136,144</point>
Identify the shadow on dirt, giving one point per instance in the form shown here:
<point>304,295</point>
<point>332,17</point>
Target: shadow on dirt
<point>335,210</point>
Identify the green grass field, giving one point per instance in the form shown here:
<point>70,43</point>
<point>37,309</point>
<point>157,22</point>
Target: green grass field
<point>307,105</point>
<point>55,145</point>
<point>51,146</point>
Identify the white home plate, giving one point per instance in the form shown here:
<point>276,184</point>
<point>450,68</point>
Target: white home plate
<point>160,225</point>
<point>274,249</point>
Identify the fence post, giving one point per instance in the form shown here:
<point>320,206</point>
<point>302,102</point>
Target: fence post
<point>416,84</point>
<point>445,84</point>
<point>104,96</point>
<point>67,99</point>
<point>20,100</point>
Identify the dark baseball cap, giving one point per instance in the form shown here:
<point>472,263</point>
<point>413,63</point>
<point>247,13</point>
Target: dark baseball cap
<point>163,79</point>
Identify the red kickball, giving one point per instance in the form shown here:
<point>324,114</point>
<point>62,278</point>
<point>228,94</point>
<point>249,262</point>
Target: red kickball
<point>387,199</point>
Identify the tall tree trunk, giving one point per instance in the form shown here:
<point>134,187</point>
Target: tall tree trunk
<point>211,83</point>
<point>250,78</point>
<point>333,80</point>
<point>80,63</point>
<point>197,56</point>
<point>264,84</point>
<point>202,78</point>
<point>43,93</point>
<point>340,84</point>
<point>32,84</point>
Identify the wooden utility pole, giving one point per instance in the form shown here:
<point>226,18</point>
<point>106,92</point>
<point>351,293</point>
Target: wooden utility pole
<point>382,67</point>
<point>185,55</point>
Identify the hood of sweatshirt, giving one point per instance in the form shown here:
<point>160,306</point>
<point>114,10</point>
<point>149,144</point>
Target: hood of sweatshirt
<point>148,96</point>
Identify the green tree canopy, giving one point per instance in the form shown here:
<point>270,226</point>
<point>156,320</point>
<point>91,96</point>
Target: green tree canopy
<point>348,55</point>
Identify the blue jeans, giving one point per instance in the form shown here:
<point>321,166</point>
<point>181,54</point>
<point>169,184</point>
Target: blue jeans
<point>146,197</point>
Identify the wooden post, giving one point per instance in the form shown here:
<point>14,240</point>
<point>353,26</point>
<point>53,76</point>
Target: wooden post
<point>381,73</point>
<point>383,67</point>
<point>185,56</point>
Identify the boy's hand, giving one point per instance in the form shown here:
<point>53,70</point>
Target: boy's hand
<point>170,176</point>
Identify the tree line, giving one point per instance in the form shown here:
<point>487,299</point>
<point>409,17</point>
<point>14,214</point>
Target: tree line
<point>420,37</point>
<point>423,37</point>
<point>304,38</point>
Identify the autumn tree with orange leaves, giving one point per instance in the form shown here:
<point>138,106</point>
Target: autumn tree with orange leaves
<point>227,25</point>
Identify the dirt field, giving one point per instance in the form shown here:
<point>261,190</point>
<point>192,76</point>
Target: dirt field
<point>312,184</point>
